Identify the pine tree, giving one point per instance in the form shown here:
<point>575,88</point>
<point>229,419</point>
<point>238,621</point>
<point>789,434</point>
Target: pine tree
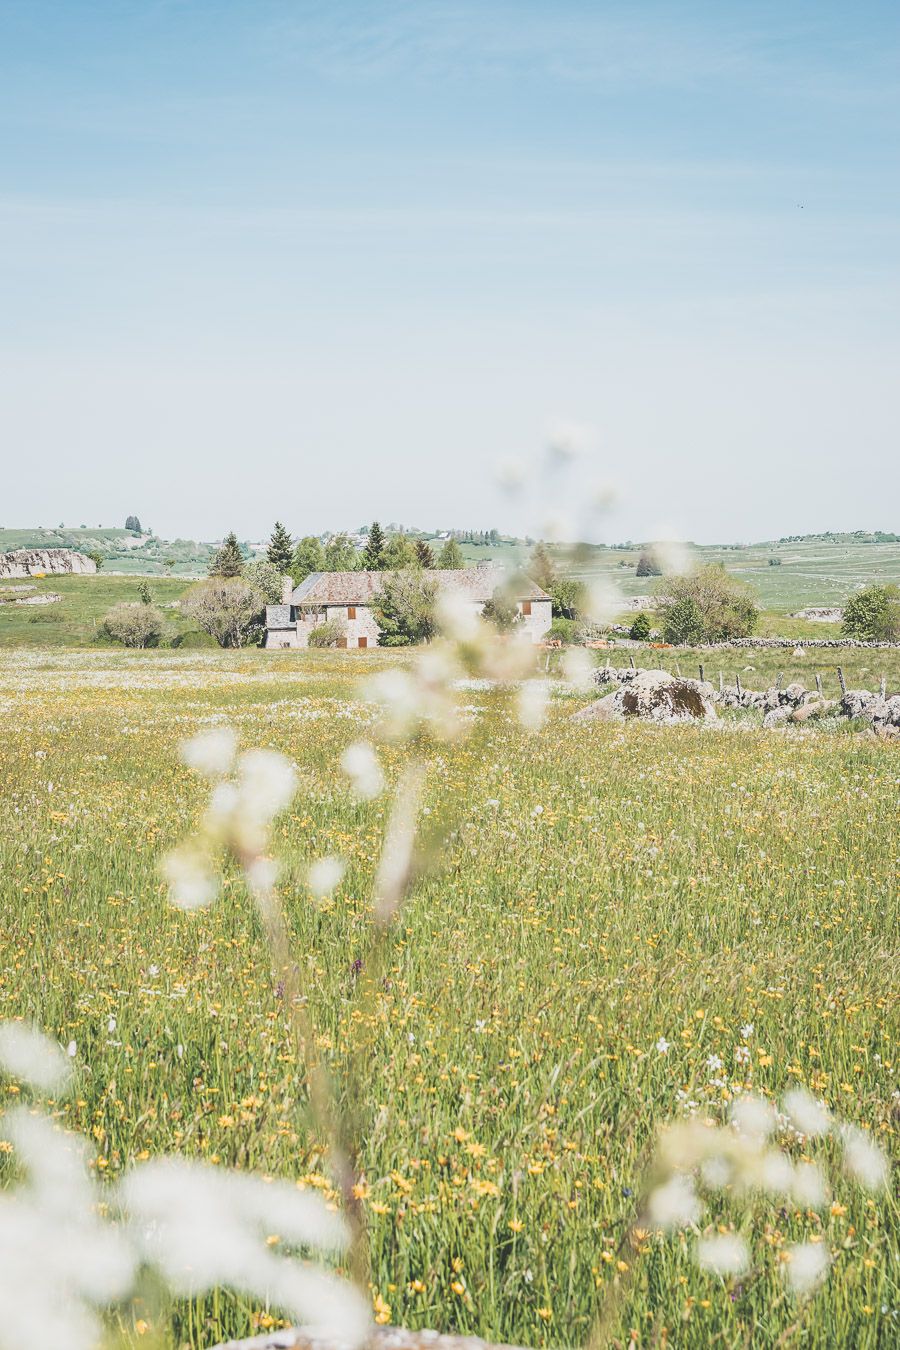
<point>424,555</point>
<point>373,553</point>
<point>229,561</point>
<point>280,552</point>
<point>451,556</point>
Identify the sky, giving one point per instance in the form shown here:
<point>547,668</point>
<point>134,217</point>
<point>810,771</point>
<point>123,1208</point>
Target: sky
<point>326,262</point>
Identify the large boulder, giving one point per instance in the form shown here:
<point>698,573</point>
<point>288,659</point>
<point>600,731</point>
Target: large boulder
<point>656,696</point>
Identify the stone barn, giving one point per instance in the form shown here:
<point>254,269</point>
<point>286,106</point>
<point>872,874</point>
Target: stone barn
<point>349,598</point>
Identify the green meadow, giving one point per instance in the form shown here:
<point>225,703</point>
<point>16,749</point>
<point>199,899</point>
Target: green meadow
<point>630,924</point>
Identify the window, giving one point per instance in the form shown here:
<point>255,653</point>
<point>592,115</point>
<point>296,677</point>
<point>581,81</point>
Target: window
<point>526,607</point>
<point>351,611</point>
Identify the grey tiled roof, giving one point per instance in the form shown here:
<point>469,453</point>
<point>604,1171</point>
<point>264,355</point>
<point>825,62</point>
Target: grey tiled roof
<point>360,588</point>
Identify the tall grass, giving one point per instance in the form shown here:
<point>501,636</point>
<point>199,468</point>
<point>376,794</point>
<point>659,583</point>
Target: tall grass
<point>618,907</point>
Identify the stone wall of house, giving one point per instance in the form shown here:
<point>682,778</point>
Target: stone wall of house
<point>539,620</point>
<point>363,625</point>
<point>25,562</point>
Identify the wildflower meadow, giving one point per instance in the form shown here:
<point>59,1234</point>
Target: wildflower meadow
<point>617,1068</point>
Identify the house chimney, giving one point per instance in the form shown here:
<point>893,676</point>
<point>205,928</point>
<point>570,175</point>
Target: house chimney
<point>287,590</point>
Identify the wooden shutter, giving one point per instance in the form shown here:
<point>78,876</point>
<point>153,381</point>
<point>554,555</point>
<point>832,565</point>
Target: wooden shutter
<point>526,607</point>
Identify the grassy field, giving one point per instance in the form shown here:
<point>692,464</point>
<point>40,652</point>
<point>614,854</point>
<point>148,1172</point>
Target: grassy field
<point>618,907</point>
<point>74,620</point>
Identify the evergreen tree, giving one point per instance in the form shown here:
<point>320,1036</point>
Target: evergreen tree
<point>132,523</point>
<point>373,553</point>
<point>229,561</point>
<point>424,555</point>
<point>280,552</point>
<point>541,568</point>
<point>451,556</point>
<point>308,557</point>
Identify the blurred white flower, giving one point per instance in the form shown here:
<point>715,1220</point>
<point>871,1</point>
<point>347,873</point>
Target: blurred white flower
<point>674,558</point>
<point>60,1262</point>
<point>532,698</point>
<point>191,881</point>
<point>674,1204</point>
<point>267,782</point>
<point>510,476</point>
<point>360,763</point>
<point>747,1030</point>
<point>456,617</point>
<point>578,669</point>
<point>864,1161</point>
<point>602,602</point>
<point>806,1266</point>
<point>808,1186</point>
<point>806,1114</point>
<point>202,1228</point>
<point>28,1054</point>
<point>262,874</point>
<point>325,875</point>
<point>663,1046</point>
<point>211,752</point>
<point>723,1254</point>
<point>72,1049</point>
<point>753,1117</point>
<point>567,440</point>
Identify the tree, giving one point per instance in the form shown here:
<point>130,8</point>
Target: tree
<point>340,555</point>
<point>501,610</point>
<point>264,577</point>
<point>224,607</point>
<point>308,557</point>
<point>228,561</point>
<point>450,556</point>
<point>98,560</point>
<point>541,569</point>
<point>168,564</point>
<point>144,593</point>
<point>404,607</point>
<point>398,553</point>
<point>134,625</point>
<point>683,622</point>
<point>280,552</point>
<point>327,634</point>
<point>640,627</point>
<point>648,565</point>
<point>569,598</point>
<point>373,553</point>
<point>424,554</point>
<point>873,615</point>
<point>132,523</point>
<point>721,607</point>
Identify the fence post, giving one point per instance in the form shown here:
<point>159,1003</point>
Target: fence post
<point>882,688</point>
<point>701,671</point>
<point>631,659</point>
<point>818,682</point>
<point>779,679</point>
<point>841,681</point>
<point>737,684</point>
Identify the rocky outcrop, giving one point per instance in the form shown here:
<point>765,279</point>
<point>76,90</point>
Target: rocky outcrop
<point>25,562</point>
<point>654,695</point>
<point>661,697</point>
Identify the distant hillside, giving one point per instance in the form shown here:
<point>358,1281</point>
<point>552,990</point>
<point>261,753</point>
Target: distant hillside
<point>121,550</point>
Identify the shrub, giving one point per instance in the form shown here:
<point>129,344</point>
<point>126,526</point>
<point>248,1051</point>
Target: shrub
<point>873,615</point>
<point>640,628</point>
<point>568,631</point>
<point>327,634</point>
<point>225,607</point>
<point>683,622</point>
<point>707,606</point>
<point>134,625</point>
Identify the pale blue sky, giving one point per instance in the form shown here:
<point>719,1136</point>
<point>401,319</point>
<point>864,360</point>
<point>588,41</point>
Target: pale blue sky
<point>327,261</point>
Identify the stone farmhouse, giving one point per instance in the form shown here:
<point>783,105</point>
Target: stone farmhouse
<point>349,598</point>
